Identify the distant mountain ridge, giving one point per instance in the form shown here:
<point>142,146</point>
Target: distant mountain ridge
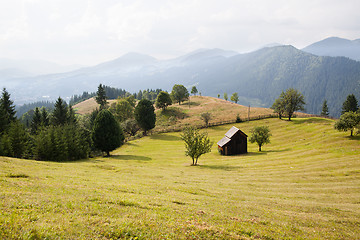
<point>258,77</point>
<point>335,47</point>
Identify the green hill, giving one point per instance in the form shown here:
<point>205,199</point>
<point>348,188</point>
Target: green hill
<point>304,185</point>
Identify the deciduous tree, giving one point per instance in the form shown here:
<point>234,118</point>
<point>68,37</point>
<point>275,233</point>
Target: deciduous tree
<point>260,135</point>
<point>163,100</point>
<point>194,90</point>
<point>348,121</point>
<point>234,97</point>
<point>196,143</point>
<point>179,93</point>
<point>225,96</point>
<point>206,118</point>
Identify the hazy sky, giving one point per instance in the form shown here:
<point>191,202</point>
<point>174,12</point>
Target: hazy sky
<point>91,31</point>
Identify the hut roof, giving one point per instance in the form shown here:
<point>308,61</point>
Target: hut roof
<point>232,132</point>
<point>223,141</point>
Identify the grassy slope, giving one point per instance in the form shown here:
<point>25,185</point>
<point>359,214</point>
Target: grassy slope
<point>88,106</point>
<point>305,185</point>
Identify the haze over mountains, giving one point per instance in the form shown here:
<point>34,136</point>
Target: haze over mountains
<point>258,77</point>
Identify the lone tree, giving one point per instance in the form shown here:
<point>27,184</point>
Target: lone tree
<point>348,121</point>
<point>206,118</point>
<point>225,96</point>
<point>101,98</point>
<point>194,90</point>
<point>234,97</point>
<point>107,134</point>
<point>350,104</point>
<point>163,100</point>
<point>325,109</point>
<point>260,135</point>
<point>289,102</point>
<point>179,93</point>
<point>196,143</point>
<point>145,115</point>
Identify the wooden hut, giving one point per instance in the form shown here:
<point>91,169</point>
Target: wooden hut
<point>234,142</point>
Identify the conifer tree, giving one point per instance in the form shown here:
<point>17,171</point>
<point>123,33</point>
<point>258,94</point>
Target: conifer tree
<point>350,104</point>
<point>101,98</point>
<point>36,121</point>
<point>107,134</point>
<point>8,107</point>
<point>44,117</point>
<point>60,113</point>
<point>325,109</point>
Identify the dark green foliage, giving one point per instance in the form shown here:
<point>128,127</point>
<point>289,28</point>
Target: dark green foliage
<point>36,121</point>
<point>350,104</point>
<point>238,119</point>
<point>14,141</point>
<point>234,97</point>
<point>61,143</point>
<point>107,134</point>
<point>348,121</point>
<point>7,111</point>
<point>44,117</point>
<point>324,109</point>
<point>101,98</point>
<point>179,93</point>
<point>163,100</point>
<point>196,143</point>
<point>260,135</point>
<point>145,115</point>
<point>8,105</point>
<point>21,110</point>
<point>194,90</point>
<point>71,116</point>
<point>60,113</point>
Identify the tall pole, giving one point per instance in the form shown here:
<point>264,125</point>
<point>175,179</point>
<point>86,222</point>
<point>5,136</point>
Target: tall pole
<point>249,113</point>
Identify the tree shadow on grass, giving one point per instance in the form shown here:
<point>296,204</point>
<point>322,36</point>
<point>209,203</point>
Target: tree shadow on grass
<point>353,137</point>
<point>165,137</point>
<point>310,120</point>
<point>220,167</point>
<point>131,157</point>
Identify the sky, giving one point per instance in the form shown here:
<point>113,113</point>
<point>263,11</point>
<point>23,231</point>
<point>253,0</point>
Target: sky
<point>88,32</point>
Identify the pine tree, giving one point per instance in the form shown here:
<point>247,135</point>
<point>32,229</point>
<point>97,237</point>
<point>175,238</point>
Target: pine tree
<point>44,117</point>
<point>101,98</point>
<point>350,104</point>
<point>8,108</point>
<point>60,113</point>
<point>71,116</point>
<point>36,121</point>
<point>325,109</point>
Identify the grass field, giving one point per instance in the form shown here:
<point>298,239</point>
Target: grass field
<point>304,185</point>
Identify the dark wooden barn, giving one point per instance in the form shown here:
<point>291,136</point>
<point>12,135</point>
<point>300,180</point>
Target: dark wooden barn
<point>234,142</point>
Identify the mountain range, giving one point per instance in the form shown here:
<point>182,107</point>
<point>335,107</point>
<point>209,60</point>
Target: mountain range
<point>258,77</point>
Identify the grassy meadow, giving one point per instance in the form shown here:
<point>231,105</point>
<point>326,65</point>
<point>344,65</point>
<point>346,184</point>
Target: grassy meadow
<point>304,185</point>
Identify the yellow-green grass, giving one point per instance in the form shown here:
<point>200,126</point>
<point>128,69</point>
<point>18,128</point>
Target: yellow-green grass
<point>304,185</point>
<point>89,105</point>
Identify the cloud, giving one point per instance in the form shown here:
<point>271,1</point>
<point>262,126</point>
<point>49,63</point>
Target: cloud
<point>90,31</point>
